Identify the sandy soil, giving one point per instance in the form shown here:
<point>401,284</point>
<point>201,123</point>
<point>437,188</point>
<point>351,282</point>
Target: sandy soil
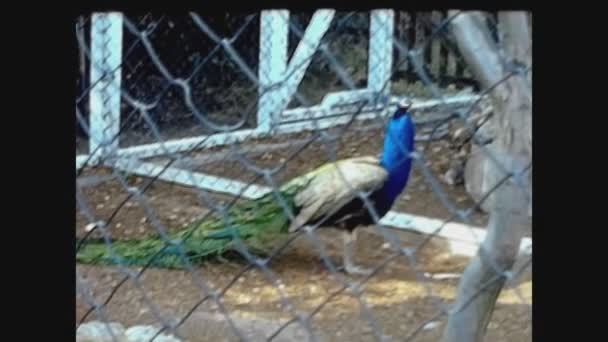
<point>399,298</point>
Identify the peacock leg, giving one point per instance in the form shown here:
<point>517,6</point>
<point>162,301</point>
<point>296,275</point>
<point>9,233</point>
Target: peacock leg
<point>349,239</point>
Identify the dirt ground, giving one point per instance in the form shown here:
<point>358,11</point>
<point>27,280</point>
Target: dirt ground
<point>399,299</point>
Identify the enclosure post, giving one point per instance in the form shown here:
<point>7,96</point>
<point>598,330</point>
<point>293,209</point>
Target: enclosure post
<point>436,18</point>
<point>404,22</point>
<point>289,75</point>
<point>380,60</point>
<point>104,97</point>
<point>274,34</point>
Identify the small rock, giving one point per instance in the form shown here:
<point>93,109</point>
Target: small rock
<point>460,134</point>
<point>463,153</point>
<point>118,225</point>
<point>106,198</point>
<point>141,333</point>
<point>133,190</point>
<point>90,227</point>
<point>431,325</point>
<point>448,178</point>
<point>455,174</point>
<point>97,331</point>
<point>143,220</point>
<point>407,197</point>
<point>445,276</point>
<point>386,245</point>
<point>173,217</point>
<point>100,206</point>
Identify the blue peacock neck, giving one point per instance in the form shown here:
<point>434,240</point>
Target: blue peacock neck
<point>398,143</point>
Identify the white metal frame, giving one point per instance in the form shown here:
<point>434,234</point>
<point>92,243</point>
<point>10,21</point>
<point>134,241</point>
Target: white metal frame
<point>104,97</point>
<point>273,117</point>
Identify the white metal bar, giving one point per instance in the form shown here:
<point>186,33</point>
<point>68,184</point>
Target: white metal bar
<point>320,113</point>
<point>464,239</point>
<point>346,97</point>
<point>302,56</point>
<point>187,144</point>
<point>305,114</point>
<point>188,178</point>
<point>380,53</point>
<point>80,159</point>
<point>274,34</point>
<point>309,125</point>
<point>104,97</point>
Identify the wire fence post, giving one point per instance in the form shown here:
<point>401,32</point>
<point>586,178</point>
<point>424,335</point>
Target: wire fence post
<point>380,51</point>
<point>274,34</point>
<point>104,97</point>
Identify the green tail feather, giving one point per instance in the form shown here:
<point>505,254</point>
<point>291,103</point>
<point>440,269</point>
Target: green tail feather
<point>259,223</point>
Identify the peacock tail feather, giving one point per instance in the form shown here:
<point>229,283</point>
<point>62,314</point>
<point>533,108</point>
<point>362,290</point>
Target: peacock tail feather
<point>258,223</point>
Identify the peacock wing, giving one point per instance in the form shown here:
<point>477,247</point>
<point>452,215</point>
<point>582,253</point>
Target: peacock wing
<point>336,184</point>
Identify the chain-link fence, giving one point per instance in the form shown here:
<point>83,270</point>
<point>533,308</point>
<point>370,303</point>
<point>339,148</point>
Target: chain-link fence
<point>191,130</point>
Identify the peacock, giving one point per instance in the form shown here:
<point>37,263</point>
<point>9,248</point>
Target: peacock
<point>327,196</point>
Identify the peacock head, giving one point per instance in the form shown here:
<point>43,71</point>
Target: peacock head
<point>399,138</point>
<point>403,107</point>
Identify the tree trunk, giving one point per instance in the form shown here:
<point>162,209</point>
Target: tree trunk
<point>509,205</point>
<point>484,59</point>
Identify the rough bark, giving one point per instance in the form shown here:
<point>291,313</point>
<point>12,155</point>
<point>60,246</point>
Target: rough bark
<point>510,204</point>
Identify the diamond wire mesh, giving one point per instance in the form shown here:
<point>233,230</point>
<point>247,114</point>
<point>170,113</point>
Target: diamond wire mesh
<point>186,84</point>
